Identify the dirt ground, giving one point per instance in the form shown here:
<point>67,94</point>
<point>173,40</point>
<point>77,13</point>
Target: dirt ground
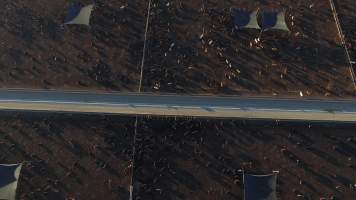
<point>203,159</point>
<point>193,48</point>
<point>90,157</point>
<point>347,13</point>
<point>69,157</point>
<point>37,51</point>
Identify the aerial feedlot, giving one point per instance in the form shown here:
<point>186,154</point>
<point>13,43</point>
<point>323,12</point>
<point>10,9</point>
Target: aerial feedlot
<point>204,159</point>
<point>182,47</point>
<point>88,157</point>
<point>68,157</point>
<point>38,51</point>
<point>193,47</point>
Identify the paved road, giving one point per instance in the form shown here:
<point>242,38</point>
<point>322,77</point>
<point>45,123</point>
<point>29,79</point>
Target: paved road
<point>173,105</point>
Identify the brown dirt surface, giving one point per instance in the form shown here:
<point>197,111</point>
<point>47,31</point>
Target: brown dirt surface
<point>89,157</point>
<point>347,14</point>
<point>192,48</point>
<point>37,51</point>
<point>69,157</point>
<point>202,159</point>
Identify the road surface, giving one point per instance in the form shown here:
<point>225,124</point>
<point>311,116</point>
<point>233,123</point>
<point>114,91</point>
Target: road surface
<point>174,105</point>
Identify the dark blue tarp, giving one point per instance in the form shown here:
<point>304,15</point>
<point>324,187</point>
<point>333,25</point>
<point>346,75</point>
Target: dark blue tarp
<point>73,11</point>
<point>241,18</point>
<point>269,19</point>
<point>7,174</point>
<point>260,187</point>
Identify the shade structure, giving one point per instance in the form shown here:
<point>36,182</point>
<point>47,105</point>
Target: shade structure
<point>260,187</point>
<point>9,176</point>
<point>253,20</point>
<point>79,14</point>
<point>274,20</point>
<point>244,19</point>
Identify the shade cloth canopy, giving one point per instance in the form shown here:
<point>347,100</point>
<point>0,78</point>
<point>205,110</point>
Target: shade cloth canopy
<point>79,14</point>
<point>243,19</point>
<point>260,187</point>
<point>274,20</point>
<point>9,176</point>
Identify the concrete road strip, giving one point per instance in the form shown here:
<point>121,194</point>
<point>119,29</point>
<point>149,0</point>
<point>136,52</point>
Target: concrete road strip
<point>177,105</point>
